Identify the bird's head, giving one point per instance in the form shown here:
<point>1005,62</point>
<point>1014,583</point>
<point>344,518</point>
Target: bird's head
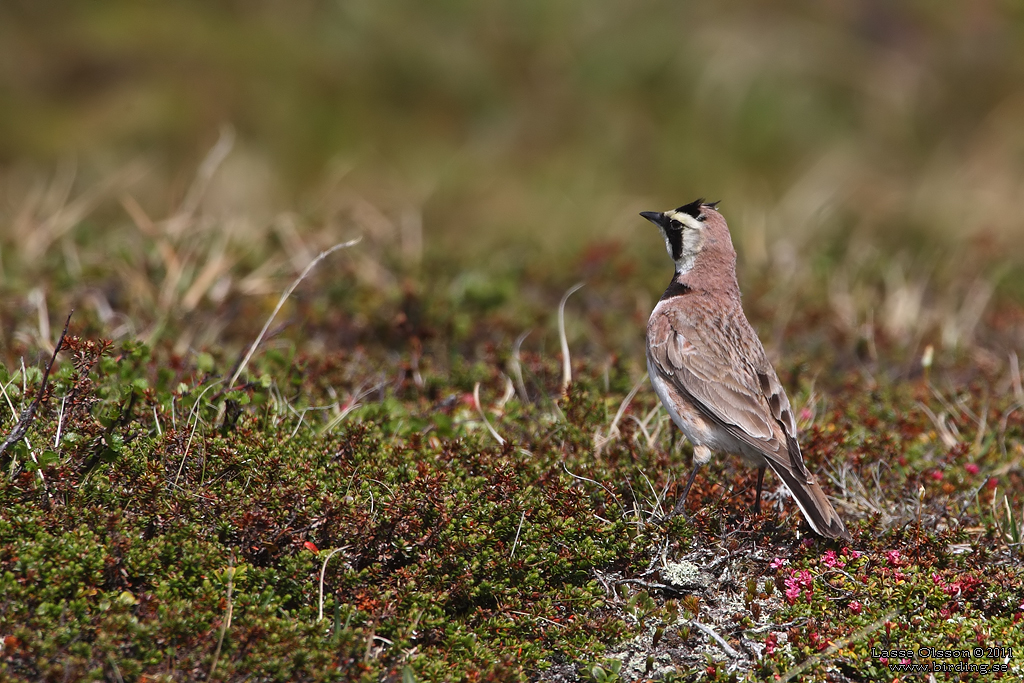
<point>691,230</point>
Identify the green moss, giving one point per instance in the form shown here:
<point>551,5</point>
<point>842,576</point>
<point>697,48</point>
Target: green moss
<point>481,560</point>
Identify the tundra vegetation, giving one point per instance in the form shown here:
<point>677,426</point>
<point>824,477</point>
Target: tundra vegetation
<point>426,454</point>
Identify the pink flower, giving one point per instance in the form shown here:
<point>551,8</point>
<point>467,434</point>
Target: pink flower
<point>830,559</point>
<point>893,556</point>
<point>948,588</point>
<point>798,582</point>
<point>972,468</point>
<point>792,588</point>
<point>937,475</point>
<point>777,563</point>
<point>856,607</point>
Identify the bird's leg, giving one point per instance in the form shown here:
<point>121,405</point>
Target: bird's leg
<point>760,480</point>
<point>686,490</point>
<point>701,456</point>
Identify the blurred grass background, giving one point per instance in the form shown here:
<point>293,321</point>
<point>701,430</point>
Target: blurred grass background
<point>870,155</point>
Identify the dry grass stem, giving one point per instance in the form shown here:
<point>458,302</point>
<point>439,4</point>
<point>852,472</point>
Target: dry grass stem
<point>194,416</point>
<point>601,440</point>
<point>230,575</point>
<point>323,570</point>
<point>515,543</point>
<point>214,158</point>
<point>594,481</point>
<point>613,428</point>
<point>480,410</point>
<point>517,367</point>
<point>280,303</point>
<point>566,363</point>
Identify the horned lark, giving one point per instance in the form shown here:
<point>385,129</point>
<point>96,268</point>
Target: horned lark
<point>710,371</point>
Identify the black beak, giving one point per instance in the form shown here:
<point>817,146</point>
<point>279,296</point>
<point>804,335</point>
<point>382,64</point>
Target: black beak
<point>656,217</point>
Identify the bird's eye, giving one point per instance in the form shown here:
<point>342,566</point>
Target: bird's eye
<point>675,225</point>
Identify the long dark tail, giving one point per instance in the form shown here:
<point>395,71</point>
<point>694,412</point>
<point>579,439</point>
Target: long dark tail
<point>818,512</point>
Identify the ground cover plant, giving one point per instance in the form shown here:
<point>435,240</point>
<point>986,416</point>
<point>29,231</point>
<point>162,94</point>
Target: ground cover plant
<point>331,405</point>
<point>447,506</point>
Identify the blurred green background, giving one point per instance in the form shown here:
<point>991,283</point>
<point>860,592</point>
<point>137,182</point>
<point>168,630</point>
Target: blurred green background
<point>842,137</point>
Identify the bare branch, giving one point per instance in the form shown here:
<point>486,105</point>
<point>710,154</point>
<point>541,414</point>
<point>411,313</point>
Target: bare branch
<point>29,414</point>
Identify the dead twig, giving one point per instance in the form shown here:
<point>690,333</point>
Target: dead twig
<point>29,414</point>
<point>710,633</point>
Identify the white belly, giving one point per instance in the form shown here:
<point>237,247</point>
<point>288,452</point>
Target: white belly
<point>699,430</point>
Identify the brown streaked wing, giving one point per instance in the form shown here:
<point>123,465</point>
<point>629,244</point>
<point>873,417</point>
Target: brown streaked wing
<point>728,389</point>
<point>778,404</point>
<point>727,375</point>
